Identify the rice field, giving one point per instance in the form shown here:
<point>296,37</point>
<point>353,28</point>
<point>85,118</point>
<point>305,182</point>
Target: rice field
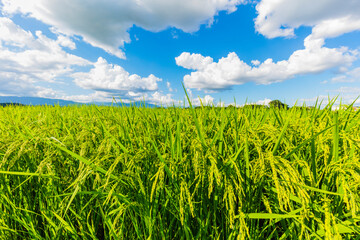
<point>88,172</point>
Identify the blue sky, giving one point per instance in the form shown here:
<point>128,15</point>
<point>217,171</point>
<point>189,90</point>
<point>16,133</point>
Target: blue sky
<point>222,50</point>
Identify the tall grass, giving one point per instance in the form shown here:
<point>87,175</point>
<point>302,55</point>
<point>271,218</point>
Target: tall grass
<point>138,173</point>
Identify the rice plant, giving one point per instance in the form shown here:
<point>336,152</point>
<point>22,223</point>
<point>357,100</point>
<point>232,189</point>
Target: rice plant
<point>89,172</point>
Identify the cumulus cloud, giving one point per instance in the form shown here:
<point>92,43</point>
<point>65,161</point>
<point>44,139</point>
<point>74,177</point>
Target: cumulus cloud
<point>27,59</point>
<point>65,41</point>
<point>193,61</point>
<point>207,100</point>
<point>105,24</point>
<point>162,99</point>
<point>157,97</point>
<point>113,78</point>
<point>329,18</point>
<point>13,84</point>
<point>255,62</point>
<point>11,34</point>
<point>231,70</point>
<point>265,101</point>
<point>97,96</point>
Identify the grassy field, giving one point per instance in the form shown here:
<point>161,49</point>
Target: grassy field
<point>87,172</point>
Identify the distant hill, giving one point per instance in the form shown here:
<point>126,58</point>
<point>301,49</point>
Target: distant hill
<point>6,100</point>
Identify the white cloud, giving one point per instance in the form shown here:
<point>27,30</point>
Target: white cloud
<point>255,62</point>
<point>157,97</point>
<point>66,42</point>
<point>329,18</point>
<point>162,99</point>
<point>113,78</point>
<point>353,90</point>
<point>266,102</point>
<point>231,70</point>
<point>343,95</point>
<point>340,79</point>
<point>105,24</point>
<point>193,61</point>
<point>11,34</point>
<point>350,76</point>
<point>27,59</point>
<point>336,27</point>
<point>97,96</point>
<point>13,84</point>
<point>206,101</point>
<point>46,93</point>
<point>168,85</point>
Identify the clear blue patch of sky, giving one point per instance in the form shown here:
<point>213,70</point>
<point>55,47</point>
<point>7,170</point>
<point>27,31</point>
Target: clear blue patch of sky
<point>32,25</point>
<point>345,40</point>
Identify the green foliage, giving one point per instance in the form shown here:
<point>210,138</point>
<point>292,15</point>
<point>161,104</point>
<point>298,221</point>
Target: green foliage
<point>278,104</point>
<point>10,104</point>
<point>87,172</point>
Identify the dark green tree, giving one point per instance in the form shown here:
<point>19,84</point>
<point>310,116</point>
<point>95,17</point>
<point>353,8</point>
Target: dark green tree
<point>278,104</point>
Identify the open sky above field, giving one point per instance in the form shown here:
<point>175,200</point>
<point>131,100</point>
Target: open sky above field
<point>89,50</point>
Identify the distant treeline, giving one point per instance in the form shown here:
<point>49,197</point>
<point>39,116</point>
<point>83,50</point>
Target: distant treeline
<point>11,104</point>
